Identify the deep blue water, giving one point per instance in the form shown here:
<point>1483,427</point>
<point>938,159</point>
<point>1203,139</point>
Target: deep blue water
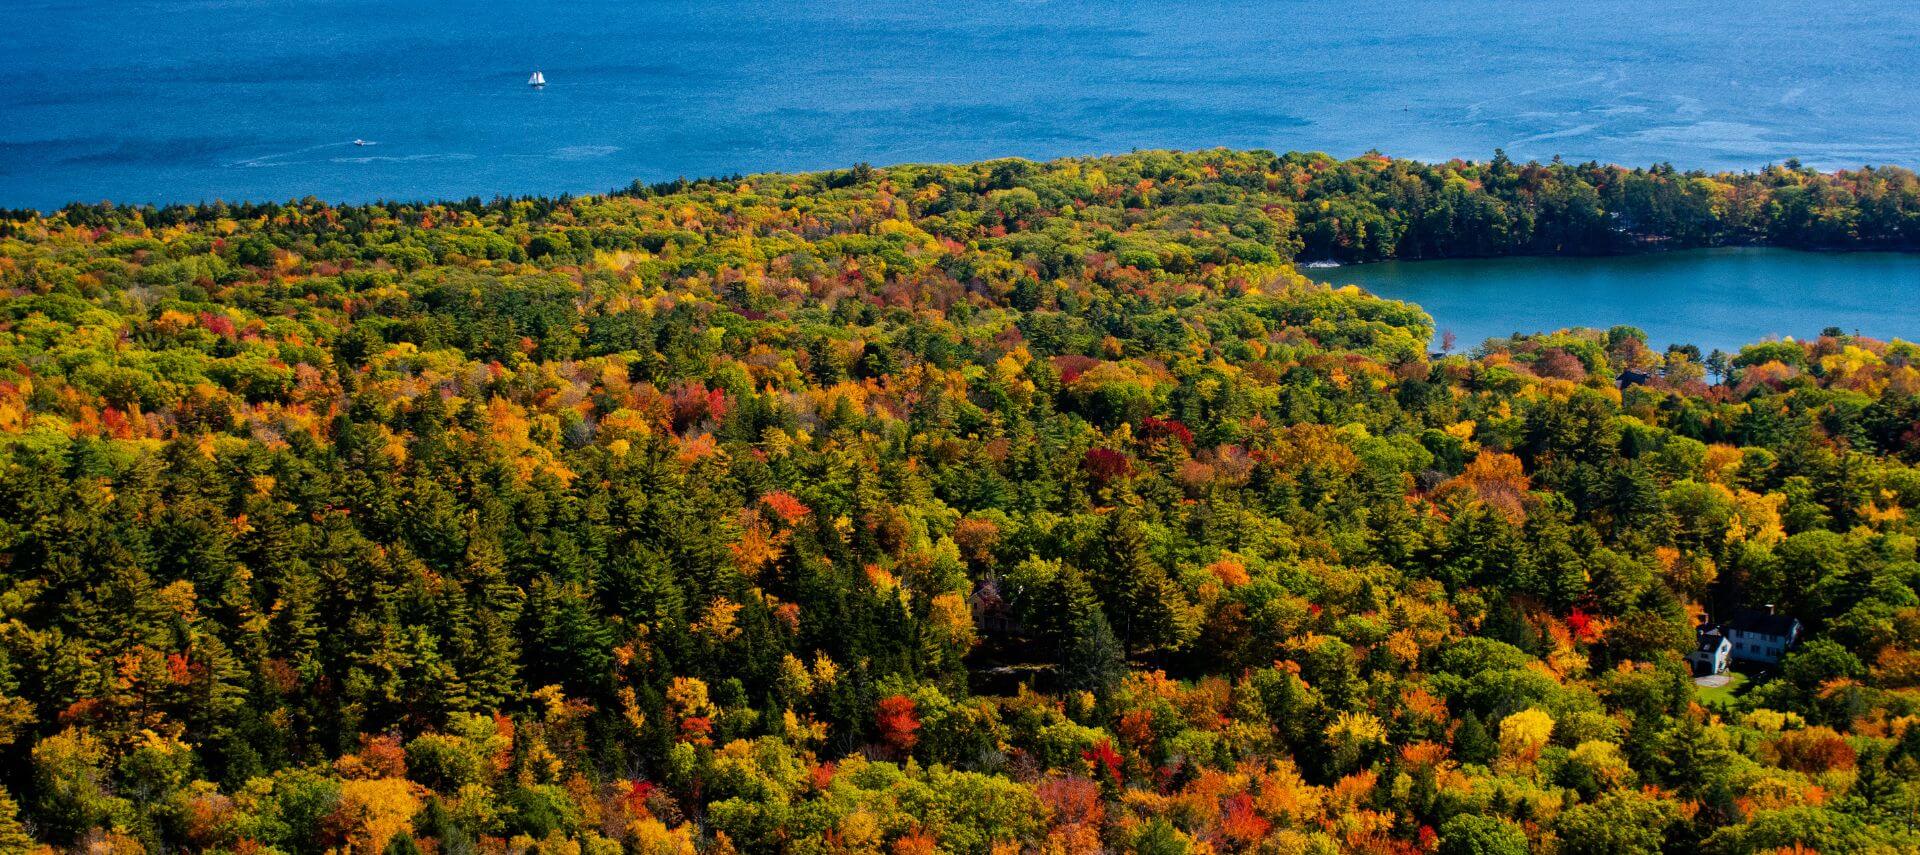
<point>183,100</point>
<point>1713,298</point>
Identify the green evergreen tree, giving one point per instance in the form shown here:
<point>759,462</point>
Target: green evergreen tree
<point>1471,741</point>
<point>1144,605</point>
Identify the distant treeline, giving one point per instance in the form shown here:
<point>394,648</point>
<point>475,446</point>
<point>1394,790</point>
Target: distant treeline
<point>1370,208</point>
<point>1374,208</point>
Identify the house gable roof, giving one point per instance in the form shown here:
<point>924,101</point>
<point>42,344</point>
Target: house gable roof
<point>1710,641</point>
<point>1760,622</point>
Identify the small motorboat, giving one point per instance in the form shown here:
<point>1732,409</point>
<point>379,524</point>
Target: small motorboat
<point>362,142</point>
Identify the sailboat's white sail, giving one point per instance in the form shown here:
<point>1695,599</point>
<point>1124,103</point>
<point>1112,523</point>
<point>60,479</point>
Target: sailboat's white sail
<point>537,79</point>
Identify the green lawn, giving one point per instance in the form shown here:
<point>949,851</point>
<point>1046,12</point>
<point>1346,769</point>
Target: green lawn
<point>1723,694</point>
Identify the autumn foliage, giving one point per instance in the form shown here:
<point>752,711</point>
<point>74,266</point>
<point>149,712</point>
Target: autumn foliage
<point>994,508</point>
<point>896,723</point>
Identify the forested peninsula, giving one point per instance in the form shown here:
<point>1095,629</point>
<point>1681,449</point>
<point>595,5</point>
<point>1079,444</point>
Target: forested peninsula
<point>998,508</point>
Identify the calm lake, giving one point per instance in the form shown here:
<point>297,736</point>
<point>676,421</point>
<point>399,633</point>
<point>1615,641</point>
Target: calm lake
<point>1713,298</point>
<point>184,100</point>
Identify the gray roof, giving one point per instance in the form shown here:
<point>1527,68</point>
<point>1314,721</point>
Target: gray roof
<point>1710,641</point>
<point>1761,622</point>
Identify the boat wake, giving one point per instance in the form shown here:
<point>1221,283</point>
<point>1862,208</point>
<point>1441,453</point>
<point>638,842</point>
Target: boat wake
<point>282,158</point>
<point>400,158</point>
<point>294,157</point>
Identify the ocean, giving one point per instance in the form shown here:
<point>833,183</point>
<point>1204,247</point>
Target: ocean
<point>189,100</point>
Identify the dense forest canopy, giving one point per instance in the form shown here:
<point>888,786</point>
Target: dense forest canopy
<point>995,508</point>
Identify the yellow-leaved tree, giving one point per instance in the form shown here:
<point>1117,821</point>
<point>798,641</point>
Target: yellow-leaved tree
<point>1523,735</point>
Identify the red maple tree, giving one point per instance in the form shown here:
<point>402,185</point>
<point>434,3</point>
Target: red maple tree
<point>898,721</point>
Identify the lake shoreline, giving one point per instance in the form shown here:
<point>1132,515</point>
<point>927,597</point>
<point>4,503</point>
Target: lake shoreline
<point>1830,249</point>
<point>1712,297</point>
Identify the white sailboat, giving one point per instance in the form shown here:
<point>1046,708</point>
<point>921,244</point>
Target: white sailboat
<point>537,81</point>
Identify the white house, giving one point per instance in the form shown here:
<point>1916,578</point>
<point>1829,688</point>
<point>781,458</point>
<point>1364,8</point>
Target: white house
<point>1762,636</point>
<point>1712,654</point>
